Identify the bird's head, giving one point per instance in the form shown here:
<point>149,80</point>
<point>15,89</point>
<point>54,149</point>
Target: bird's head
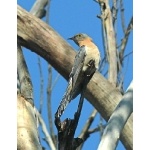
<point>80,38</point>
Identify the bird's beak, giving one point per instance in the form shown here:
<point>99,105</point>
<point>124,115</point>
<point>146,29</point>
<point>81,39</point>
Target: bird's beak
<point>72,38</point>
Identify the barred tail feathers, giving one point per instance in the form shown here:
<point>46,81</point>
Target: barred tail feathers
<point>65,100</point>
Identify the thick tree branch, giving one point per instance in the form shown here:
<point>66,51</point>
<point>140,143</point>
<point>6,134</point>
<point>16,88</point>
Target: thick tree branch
<point>27,134</point>
<point>36,35</point>
<point>117,121</point>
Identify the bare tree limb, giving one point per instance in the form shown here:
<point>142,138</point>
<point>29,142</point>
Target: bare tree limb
<point>49,105</point>
<point>27,134</point>
<point>117,121</point>
<point>125,39</point>
<point>111,41</point>
<point>55,81</point>
<point>88,124</point>
<point>45,131</point>
<point>24,77</point>
<point>38,8</point>
<point>104,38</point>
<point>84,133</point>
<point>36,35</point>
<point>97,129</point>
<point>114,11</point>
<point>41,85</point>
<point>122,16</point>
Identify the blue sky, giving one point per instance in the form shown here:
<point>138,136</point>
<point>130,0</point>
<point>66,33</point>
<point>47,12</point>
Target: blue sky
<point>68,18</point>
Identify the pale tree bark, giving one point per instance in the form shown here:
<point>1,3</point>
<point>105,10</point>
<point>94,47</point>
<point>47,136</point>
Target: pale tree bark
<point>117,121</point>
<point>27,134</point>
<point>110,40</point>
<point>43,40</point>
<point>38,8</point>
<point>23,76</point>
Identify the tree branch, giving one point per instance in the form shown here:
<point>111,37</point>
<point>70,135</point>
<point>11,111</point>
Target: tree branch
<point>38,8</point>
<point>111,40</point>
<point>117,121</point>
<point>24,77</point>
<point>27,134</point>
<point>45,131</point>
<point>41,85</point>
<point>84,133</point>
<point>125,39</point>
<point>122,16</point>
<point>36,35</point>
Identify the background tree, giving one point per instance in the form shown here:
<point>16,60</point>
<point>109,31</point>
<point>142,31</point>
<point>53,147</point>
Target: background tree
<point>116,48</point>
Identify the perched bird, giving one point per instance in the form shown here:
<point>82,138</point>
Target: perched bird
<point>86,63</point>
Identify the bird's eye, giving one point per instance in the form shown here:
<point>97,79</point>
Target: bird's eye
<point>79,35</point>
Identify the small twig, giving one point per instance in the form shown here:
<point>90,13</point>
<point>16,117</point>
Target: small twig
<point>126,67</point>
<point>102,64</point>
<point>114,11</point>
<point>47,12</point>
<point>121,75</point>
<point>55,81</point>
<point>97,129</point>
<point>49,106</point>
<point>127,55</point>
<point>88,124</point>
<point>45,131</point>
<point>41,84</point>
<point>125,39</point>
<point>120,86</point>
<point>104,36</point>
<point>122,16</point>
<point>84,133</point>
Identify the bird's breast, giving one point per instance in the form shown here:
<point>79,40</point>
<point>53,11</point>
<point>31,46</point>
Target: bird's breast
<point>92,53</point>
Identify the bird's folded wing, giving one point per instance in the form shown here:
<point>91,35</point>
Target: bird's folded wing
<point>76,70</point>
<point>78,65</point>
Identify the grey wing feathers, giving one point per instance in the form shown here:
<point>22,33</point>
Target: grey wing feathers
<point>78,65</point>
<point>77,68</point>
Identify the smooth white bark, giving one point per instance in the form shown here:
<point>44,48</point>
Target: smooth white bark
<point>117,121</point>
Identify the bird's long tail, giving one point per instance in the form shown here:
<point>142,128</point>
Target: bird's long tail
<point>65,100</point>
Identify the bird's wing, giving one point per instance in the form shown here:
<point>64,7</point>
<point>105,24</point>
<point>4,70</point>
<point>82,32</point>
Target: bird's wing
<point>78,65</point>
<point>76,70</point>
